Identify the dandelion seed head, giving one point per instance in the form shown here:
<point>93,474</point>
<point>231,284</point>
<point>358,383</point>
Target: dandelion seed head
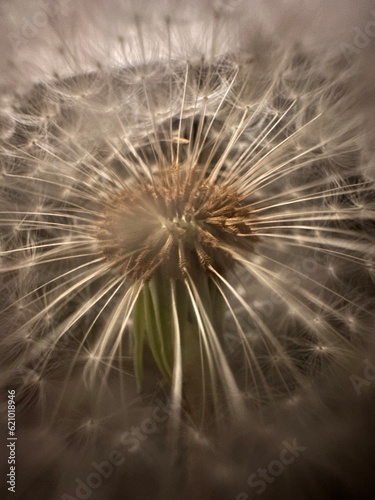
<point>186,209</point>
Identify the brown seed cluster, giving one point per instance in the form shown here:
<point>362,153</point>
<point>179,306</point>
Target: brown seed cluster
<point>181,223</point>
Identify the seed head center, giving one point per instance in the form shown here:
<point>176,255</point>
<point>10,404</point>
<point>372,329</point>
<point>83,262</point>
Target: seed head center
<point>181,224</point>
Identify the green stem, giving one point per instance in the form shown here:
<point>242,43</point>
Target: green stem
<point>154,328</point>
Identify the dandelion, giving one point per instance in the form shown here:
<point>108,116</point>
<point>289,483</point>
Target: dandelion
<point>199,217</point>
